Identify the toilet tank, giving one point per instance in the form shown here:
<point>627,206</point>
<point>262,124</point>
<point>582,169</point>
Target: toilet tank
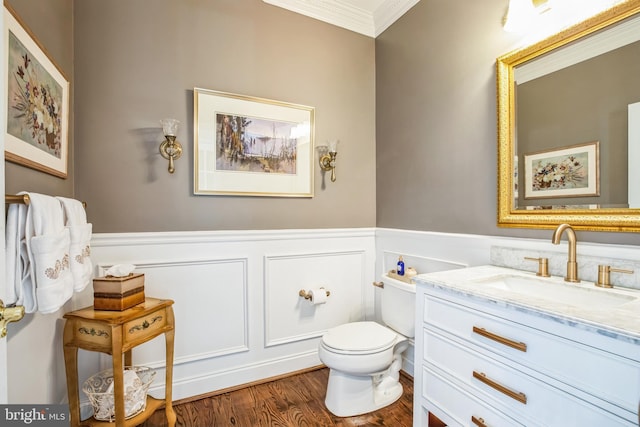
<point>398,306</point>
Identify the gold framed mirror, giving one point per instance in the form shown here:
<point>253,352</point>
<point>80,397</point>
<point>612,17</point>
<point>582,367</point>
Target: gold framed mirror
<point>608,207</point>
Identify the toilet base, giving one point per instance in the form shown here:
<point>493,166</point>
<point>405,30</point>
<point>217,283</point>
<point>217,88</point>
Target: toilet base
<point>350,395</point>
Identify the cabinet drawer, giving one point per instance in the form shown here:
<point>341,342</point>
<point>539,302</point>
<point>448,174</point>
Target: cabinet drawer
<point>94,335</point>
<point>560,359</point>
<point>527,399</point>
<point>456,407</point>
<point>145,327</point>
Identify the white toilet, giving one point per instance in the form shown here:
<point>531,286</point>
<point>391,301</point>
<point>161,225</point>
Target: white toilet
<point>365,358</point>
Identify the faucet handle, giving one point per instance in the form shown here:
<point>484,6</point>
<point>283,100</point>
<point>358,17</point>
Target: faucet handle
<point>543,266</point>
<point>604,277</point>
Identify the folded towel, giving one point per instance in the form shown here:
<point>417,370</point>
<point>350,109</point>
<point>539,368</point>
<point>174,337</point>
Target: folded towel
<point>54,282</point>
<point>73,211</point>
<point>80,246</point>
<point>48,242</point>
<point>21,289</point>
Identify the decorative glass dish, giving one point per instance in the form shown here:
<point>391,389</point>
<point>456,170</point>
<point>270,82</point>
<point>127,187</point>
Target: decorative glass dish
<point>99,389</point>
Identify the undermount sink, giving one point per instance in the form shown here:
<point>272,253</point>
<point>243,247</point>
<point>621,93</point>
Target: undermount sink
<point>558,292</point>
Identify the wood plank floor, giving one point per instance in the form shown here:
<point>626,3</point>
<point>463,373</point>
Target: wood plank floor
<point>295,401</point>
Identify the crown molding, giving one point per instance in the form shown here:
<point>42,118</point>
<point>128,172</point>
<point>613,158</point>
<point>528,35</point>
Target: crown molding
<point>389,12</point>
<point>347,15</point>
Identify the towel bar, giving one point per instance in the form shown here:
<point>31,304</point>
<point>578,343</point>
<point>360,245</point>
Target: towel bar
<point>23,199</point>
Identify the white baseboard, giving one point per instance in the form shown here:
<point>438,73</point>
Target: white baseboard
<point>197,385</point>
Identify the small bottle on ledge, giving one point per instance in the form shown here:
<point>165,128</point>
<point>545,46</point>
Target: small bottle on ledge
<point>400,267</point>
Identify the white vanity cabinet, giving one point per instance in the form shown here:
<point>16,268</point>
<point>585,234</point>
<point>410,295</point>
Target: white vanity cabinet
<point>483,362</point>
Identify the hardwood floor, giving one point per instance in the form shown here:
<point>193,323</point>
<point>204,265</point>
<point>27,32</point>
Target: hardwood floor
<point>295,401</point>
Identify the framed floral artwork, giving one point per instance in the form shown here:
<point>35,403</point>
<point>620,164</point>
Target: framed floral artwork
<point>37,102</point>
<point>248,146</point>
<point>572,171</point>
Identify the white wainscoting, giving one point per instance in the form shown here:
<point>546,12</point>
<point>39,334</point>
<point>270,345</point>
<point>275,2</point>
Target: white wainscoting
<point>426,252</point>
<point>289,318</point>
<point>206,292</point>
<point>238,314</point>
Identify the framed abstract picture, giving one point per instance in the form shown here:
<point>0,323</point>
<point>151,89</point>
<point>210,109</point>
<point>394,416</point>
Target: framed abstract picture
<point>37,102</point>
<point>247,146</point>
<point>572,171</point>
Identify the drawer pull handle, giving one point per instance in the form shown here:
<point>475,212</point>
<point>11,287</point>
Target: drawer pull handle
<point>93,332</point>
<point>478,421</point>
<point>144,325</point>
<point>520,397</point>
<point>502,340</point>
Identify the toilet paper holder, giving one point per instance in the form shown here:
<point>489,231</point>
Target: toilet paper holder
<point>307,294</point>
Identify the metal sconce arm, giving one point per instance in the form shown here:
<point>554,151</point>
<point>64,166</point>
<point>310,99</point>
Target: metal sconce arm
<point>328,162</point>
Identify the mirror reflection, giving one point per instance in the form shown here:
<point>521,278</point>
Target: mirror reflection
<point>584,93</point>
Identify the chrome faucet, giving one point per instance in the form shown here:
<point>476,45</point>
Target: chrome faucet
<point>572,265</point>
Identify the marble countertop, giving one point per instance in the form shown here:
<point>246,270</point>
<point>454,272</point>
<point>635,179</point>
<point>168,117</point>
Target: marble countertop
<point>620,322</point>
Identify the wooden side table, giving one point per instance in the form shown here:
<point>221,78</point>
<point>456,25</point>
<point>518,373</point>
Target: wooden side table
<point>116,333</point>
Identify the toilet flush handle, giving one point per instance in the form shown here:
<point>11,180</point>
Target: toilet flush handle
<point>378,284</point>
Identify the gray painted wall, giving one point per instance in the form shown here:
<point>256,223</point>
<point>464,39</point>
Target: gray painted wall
<point>436,140</point>
<point>429,80</point>
<point>138,62</point>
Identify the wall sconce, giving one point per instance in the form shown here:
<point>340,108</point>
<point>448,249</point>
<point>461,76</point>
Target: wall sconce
<point>328,159</point>
<point>170,149</point>
<point>545,17</point>
<point>521,16</point>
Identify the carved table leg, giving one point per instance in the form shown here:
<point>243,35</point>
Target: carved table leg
<point>118,374</point>
<point>169,338</point>
<point>71,368</point>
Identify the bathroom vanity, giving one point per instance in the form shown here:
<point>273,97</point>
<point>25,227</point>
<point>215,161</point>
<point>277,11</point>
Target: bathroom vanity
<point>496,346</point>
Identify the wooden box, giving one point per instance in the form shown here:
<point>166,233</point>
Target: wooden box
<point>118,285</point>
<point>118,302</point>
<point>118,293</point>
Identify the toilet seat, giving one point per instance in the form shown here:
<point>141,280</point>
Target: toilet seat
<point>359,338</point>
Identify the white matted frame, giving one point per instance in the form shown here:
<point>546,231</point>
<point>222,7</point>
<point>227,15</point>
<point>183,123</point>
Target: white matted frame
<point>247,146</point>
<point>572,171</point>
<point>37,97</point>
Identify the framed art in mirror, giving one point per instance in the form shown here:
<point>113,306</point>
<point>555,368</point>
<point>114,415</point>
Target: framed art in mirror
<point>565,172</point>
<point>532,125</point>
<point>37,103</point>
<point>248,146</point>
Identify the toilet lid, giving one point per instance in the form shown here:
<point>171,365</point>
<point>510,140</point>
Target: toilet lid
<point>360,337</point>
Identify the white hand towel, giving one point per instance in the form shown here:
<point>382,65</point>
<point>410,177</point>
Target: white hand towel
<point>48,248</point>
<point>73,211</point>
<point>54,282</point>
<point>21,289</point>
<point>80,247</point>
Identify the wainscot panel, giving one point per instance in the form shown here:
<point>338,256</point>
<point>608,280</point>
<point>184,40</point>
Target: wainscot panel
<point>290,317</point>
<point>210,300</point>
<point>238,314</point>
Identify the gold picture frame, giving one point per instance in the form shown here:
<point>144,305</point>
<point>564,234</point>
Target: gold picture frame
<point>37,103</point>
<point>248,146</point>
